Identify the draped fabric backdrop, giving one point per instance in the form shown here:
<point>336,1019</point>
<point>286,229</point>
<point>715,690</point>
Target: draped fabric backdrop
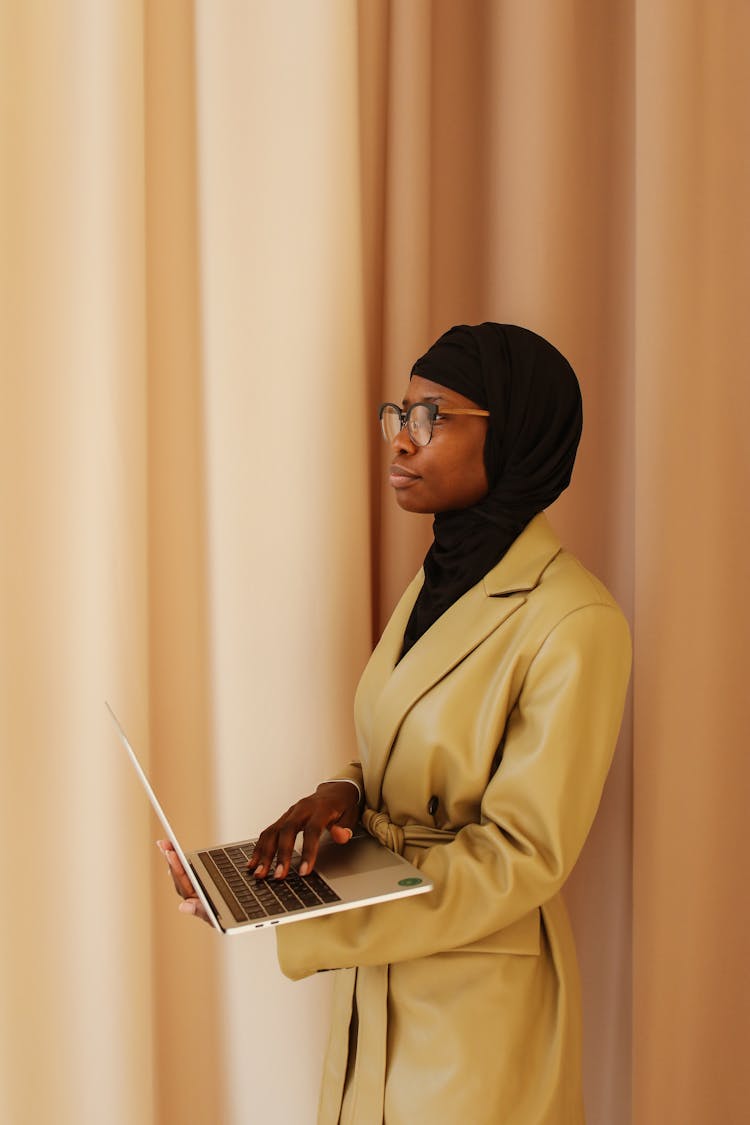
<point>227,230</point>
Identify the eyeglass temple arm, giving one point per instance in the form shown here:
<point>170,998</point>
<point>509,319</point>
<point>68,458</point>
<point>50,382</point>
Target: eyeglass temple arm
<point>462,410</point>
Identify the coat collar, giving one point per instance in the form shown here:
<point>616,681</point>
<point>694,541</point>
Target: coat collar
<point>395,688</point>
<point>523,564</point>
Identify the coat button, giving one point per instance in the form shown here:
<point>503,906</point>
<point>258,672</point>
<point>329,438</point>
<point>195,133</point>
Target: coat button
<point>432,806</point>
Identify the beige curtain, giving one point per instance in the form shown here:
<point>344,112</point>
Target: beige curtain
<point>692,613</point>
<point>227,229</point>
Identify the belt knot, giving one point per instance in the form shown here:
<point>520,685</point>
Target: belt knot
<point>397,838</point>
<point>384,830</point>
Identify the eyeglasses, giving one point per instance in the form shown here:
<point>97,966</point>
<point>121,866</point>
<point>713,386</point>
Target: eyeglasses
<point>418,419</point>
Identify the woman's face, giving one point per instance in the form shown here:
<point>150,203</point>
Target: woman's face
<point>449,473</point>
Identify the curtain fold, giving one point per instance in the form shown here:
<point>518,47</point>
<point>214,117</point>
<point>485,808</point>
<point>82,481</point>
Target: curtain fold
<point>285,432</point>
<point>76,981</point>
<point>691,774</point>
<point>227,231</point>
<point>181,705</point>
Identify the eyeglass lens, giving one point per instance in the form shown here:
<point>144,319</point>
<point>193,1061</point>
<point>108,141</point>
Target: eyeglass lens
<point>418,422</point>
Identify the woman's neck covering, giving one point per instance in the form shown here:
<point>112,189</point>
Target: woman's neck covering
<point>535,422</point>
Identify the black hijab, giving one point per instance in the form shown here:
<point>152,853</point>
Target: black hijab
<point>535,422</point>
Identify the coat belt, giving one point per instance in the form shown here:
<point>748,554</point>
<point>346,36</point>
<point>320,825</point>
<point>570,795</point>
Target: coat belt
<point>365,1102</point>
<point>399,836</point>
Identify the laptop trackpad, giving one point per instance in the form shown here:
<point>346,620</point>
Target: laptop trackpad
<point>359,855</point>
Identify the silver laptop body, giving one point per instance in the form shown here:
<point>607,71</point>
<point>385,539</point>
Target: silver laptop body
<point>345,876</point>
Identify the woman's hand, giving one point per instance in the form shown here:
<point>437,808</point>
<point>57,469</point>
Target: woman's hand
<point>191,904</point>
<point>334,805</point>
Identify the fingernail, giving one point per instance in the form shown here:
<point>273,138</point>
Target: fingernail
<point>278,871</point>
<point>186,908</point>
<point>349,833</point>
<point>304,867</point>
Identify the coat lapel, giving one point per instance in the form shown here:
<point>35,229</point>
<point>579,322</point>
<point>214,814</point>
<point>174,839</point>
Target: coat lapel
<point>394,688</point>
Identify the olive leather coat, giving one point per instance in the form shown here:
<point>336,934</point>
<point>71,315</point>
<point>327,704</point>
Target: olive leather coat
<point>483,755</point>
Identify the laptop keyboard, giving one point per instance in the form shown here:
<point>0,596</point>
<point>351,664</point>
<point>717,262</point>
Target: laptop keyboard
<point>252,899</point>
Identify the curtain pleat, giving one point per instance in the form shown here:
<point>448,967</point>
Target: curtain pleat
<point>76,980</point>
<point>691,771</point>
<point>285,447</point>
<point>188,974</point>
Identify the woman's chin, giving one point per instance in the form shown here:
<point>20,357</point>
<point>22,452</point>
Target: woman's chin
<point>410,503</point>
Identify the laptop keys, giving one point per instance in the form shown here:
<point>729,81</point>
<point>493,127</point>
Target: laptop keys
<point>251,899</point>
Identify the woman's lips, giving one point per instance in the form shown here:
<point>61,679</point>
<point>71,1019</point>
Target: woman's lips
<point>399,477</point>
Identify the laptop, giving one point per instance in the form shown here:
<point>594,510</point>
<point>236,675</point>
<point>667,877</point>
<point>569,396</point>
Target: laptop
<point>359,873</point>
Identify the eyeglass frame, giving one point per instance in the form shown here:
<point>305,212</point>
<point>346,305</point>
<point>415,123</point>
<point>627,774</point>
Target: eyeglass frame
<point>434,411</point>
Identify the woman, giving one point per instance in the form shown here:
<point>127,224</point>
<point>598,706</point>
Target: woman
<point>486,720</point>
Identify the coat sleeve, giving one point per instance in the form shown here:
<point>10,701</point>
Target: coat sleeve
<point>536,813</point>
<point>352,771</point>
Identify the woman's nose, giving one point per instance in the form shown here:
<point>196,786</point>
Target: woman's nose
<point>402,443</point>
